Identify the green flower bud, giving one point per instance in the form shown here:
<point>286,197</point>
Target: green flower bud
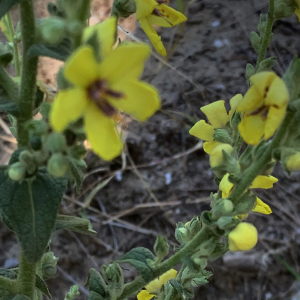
<point>115,280</point>
<point>56,142</point>
<point>53,29</point>
<point>182,235</point>
<point>161,248</point>
<point>27,160</point>
<point>49,262</point>
<point>17,171</point>
<point>36,143</point>
<point>38,127</point>
<point>58,165</point>
<point>222,207</point>
<point>74,28</point>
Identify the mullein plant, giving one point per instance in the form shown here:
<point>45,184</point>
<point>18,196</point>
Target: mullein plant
<point>99,81</point>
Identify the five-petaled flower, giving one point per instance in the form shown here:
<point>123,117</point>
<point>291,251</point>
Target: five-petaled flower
<point>260,182</point>
<point>153,288</point>
<point>101,89</point>
<point>243,237</point>
<point>264,106</point>
<point>217,118</point>
<point>155,12</point>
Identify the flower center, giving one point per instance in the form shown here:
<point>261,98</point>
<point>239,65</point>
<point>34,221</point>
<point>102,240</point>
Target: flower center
<point>98,91</point>
<point>159,12</point>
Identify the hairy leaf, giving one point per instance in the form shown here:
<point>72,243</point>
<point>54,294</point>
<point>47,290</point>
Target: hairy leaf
<point>6,5</point>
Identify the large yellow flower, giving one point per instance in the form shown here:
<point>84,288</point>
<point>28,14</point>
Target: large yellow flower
<point>155,12</point>
<point>264,106</point>
<point>153,288</point>
<point>101,89</point>
<point>260,182</point>
<point>217,118</point>
<point>243,237</point>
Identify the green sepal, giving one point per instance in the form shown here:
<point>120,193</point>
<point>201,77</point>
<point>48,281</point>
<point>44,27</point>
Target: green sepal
<point>41,285</point>
<point>76,175</point>
<point>161,248</point>
<point>73,293</point>
<point>30,209</point>
<point>96,284</point>
<point>184,293</point>
<point>139,258</point>
<point>6,5</point>
<point>255,41</point>
<point>123,8</point>
<point>222,136</point>
<point>245,203</point>
<point>228,165</point>
<point>6,105</point>
<point>292,78</point>
<point>49,262</point>
<point>74,224</point>
<point>60,51</point>
<point>227,223</point>
<point>267,64</point>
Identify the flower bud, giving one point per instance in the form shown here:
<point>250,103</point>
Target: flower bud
<point>53,29</point>
<point>58,165</point>
<point>243,237</point>
<point>293,162</point>
<point>49,262</point>
<point>74,28</point>
<point>17,171</point>
<point>56,142</point>
<point>216,156</point>
<point>115,280</point>
<point>182,235</point>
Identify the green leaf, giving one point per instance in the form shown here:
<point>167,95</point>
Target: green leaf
<point>6,5</point>
<point>74,224</point>
<point>94,296</point>
<point>267,64</point>
<point>292,78</point>
<point>61,51</point>
<point>77,175</point>
<point>139,258</point>
<point>73,293</point>
<point>6,105</point>
<point>41,285</point>
<point>30,209</point>
<point>15,297</point>
<point>11,274</point>
<point>97,284</point>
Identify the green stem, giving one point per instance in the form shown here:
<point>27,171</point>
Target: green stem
<point>134,286</point>
<point>8,284</point>
<point>255,168</point>
<point>266,37</point>
<point>15,45</point>
<point>8,85</point>
<point>29,71</point>
<point>26,277</point>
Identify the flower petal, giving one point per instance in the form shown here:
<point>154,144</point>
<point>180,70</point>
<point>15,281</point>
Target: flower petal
<point>81,67</point>
<point>234,103</point>
<point>141,99</point>
<point>67,107</point>
<point>122,60</point>
<point>154,38</point>
<point>106,34</point>
<point>208,147</point>
<point>278,93</point>
<point>216,113</point>
<point>225,186</point>
<point>155,285</point>
<point>263,80</point>
<point>274,119</point>
<point>263,182</point>
<point>144,295</point>
<point>171,17</point>
<point>144,8</point>
<point>203,131</point>
<point>262,207</point>
<point>253,99</point>
<point>102,133</point>
<point>252,129</point>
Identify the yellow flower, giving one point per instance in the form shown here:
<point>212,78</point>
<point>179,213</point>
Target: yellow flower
<point>264,106</point>
<point>100,90</point>
<point>243,237</point>
<point>216,155</point>
<point>260,182</point>
<point>155,12</point>
<point>153,288</point>
<point>217,117</point>
<point>293,162</point>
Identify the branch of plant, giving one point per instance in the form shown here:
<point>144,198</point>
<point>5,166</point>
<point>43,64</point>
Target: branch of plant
<point>266,37</point>
<point>8,284</point>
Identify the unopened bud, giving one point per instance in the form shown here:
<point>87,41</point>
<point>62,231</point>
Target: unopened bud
<point>58,165</point>
<point>293,162</point>
<point>49,262</point>
<point>56,142</point>
<point>53,29</point>
<point>182,235</point>
<point>74,28</point>
<point>17,171</point>
<point>115,280</point>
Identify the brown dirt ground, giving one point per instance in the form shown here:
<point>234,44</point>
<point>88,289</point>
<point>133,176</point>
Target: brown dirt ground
<point>162,178</point>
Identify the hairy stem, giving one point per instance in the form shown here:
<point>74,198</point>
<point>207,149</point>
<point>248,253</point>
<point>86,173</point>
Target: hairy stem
<point>26,277</point>
<point>8,284</point>
<point>15,45</point>
<point>266,37</point>
<point>134,286</point>
<point>29,71</point>
<point>255,168</point>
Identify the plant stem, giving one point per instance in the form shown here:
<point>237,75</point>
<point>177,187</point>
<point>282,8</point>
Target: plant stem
<point>8,284</point>
<point>15,44</point>
<point>8,85</point>
<point>26,277</point>
<point>133,287</point>
<point>255,168</point>
<point>29,71</point>
<point>266,37</point>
